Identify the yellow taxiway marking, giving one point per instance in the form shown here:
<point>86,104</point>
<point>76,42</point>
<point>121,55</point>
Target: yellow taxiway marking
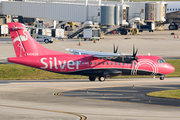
<point>81,116</point>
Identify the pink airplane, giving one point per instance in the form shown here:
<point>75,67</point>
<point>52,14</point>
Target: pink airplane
<point>82,62</point>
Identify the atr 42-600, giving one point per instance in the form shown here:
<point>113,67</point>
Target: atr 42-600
<point>88,63</point>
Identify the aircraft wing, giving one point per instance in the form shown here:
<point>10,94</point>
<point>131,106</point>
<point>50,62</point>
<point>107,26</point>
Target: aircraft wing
<point>100,55</point>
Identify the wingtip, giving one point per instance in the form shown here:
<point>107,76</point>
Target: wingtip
<point>70,50</point>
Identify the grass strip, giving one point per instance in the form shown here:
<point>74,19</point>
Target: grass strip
<point>143,0</point>
<point>175,94</point>
<point>20,72</point>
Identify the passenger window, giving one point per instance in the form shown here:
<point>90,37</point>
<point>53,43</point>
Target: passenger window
<point>126,63</point>
<point>115,63</point>
<point>119,63</point>
<point>94,63</point>
<point>87,63</point>
<point>83,63</point>
<point>111,63</point>
<point>98,63</point>
<point>107,63</point>
<point>90,63</point>
<point>123,64</point>
<point>102,63</point>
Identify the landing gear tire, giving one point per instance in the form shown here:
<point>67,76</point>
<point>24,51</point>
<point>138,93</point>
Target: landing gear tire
<point>46,41</point>
<point>92,78</point>
<point>123,32</point>
<point>171,27</point>
<point>68,28</point>
<point>161,77</point>
<point>102,79</point>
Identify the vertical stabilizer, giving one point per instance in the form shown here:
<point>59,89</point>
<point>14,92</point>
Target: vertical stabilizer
<point>24,44</point>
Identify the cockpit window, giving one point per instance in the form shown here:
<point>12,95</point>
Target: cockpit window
<point>161,61</point>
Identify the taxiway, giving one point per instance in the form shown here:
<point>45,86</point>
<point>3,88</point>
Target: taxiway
<point>38,100</point>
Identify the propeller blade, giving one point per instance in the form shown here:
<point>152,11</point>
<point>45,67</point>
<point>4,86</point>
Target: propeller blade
<point>115,49</point>
<point>134,54</point>
<point>133,50</point>
<point>136,51</point>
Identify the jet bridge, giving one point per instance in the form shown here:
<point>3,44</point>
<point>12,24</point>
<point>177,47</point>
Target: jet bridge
<point>67,11</point>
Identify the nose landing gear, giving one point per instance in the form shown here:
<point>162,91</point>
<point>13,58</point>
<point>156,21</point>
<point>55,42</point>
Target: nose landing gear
<point>162,77</point>
<point>102,79</point>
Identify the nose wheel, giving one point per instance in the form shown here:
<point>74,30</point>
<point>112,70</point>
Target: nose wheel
<point>162,77</point>
<point>102,79</point>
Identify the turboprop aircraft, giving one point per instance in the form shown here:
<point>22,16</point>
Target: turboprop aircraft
<point>88,63</point>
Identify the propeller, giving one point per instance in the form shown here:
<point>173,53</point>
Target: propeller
<point>134,54</point>
<point>115,49</point>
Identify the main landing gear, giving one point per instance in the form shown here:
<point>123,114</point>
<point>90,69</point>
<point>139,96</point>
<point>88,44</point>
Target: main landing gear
<point>162,77</point>
<point>92,78</point>
<point>101,78</point>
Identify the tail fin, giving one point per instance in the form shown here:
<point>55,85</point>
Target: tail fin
<point>24,44</point>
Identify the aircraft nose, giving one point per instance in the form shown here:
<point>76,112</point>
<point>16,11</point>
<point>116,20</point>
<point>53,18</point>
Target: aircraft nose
<point>170,68</point>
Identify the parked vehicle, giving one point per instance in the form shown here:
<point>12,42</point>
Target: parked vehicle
<point>91,33</point>
<point>57,33</point>
<point>44,38</point>
<point>3,30</point>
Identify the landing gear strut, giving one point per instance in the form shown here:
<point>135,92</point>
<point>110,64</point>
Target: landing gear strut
<point>162,77</point>
<point>102,78</point>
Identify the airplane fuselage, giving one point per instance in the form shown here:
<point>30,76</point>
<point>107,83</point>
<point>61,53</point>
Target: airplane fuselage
<point>90,66</point>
